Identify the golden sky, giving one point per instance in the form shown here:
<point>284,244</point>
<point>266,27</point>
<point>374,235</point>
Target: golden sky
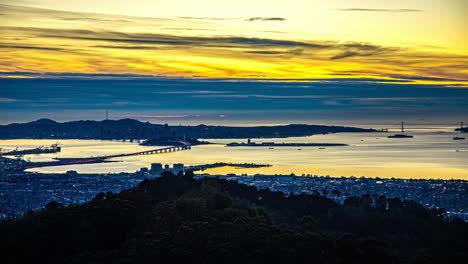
<point>295,39</point>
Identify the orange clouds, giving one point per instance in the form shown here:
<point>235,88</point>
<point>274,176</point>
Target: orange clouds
<point>109,44</point>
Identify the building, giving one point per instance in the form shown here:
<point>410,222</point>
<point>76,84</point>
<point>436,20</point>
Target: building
<point>143,172</point>
<point>284,179</point>
<point>178,167</point>
<point>156,168</point>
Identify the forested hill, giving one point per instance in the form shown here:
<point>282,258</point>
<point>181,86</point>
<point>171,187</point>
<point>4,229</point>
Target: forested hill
<point>176,218</point>
<point>134,129</point>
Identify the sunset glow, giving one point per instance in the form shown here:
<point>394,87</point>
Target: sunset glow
<point>308,40</point>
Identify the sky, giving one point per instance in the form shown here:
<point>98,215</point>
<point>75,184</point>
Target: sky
<point>233,61</point>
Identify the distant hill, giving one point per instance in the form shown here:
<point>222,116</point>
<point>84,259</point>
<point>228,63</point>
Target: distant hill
<point>134,129</point>
<point>178,219</point>
<point>464,129</point>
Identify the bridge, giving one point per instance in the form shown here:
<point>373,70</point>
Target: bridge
<point>151,152</point>
<point>101,159</point>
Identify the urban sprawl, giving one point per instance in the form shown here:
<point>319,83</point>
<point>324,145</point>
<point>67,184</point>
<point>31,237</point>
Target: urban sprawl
<point>24,191</point>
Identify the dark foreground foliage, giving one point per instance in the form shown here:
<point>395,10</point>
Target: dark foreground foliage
<point>176,218</point>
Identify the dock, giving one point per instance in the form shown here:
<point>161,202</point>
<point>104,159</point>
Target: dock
<point>54,148</point>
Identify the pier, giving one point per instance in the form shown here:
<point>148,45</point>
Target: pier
<point>54,148</point>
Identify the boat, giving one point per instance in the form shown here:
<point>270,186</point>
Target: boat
<point>461,129</point>
<point>402,135</point>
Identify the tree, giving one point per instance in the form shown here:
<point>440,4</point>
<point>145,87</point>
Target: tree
<point>53,205</point>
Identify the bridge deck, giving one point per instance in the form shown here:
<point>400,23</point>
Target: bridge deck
<point>70,161</point>
<point>150,152</point>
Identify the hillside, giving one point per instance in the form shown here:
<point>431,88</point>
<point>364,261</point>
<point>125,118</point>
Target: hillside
<point>176,218</point>
<point>134,129</point>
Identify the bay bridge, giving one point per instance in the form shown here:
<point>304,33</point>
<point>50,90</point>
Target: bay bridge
<point>151,152</point>
<point>101,159</point>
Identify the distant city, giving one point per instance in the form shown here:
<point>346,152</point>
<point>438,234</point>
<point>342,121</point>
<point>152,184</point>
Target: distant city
<point>23,191</point>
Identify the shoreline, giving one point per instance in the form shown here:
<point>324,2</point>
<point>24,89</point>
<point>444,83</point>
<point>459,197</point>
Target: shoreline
<point>9,174</point>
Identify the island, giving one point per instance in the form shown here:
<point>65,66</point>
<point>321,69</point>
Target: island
<point>273,144</point>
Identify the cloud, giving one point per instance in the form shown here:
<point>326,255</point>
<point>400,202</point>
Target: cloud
<point>208,18</point>
<point>63,15</point>
<point>275,52</point>
<point>259,96</point>
<point>361,46</point>
<point>160,39</point>
<point>421,78</point>
<point>29,47</point>
<point>146,47</point>
<point>248,19</point>
<point>9,100</point>
<point>372,101</point>
<point>255,19</point>
<point>345,54</point>
<point>93,19</point>
<point>272,99</point>
<point>157,116</point>
<point>64,75</point>
<point>126,47</point>
<point>401,10</point>
<point>357,49</point>
<point>178,40</point>
<point>194,92</point>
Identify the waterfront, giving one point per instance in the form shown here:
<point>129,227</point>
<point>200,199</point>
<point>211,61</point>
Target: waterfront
<point>431,154</point>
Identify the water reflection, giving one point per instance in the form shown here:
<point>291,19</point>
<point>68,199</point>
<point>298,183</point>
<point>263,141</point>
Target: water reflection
<point>432,153</point>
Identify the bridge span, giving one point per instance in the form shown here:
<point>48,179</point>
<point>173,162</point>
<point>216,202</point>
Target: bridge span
<point>151,152</point>
<point>101,159</point>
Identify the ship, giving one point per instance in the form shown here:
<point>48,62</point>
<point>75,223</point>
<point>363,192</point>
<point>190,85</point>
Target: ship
<point>402,135</point>
<point>461,129</point>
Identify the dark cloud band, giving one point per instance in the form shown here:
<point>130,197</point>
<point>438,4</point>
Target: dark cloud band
<point>402,10</point>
